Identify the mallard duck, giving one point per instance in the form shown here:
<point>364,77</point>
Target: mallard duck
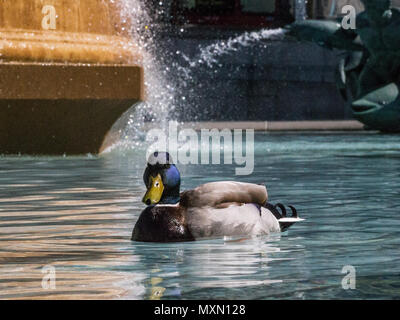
<point>211,210</point>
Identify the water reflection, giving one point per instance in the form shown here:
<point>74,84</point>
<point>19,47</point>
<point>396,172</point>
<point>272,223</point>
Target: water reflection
<point>77,215</point>
<point>182,270</point>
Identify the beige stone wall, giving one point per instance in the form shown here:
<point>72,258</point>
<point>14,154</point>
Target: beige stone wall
<point>92,16</point>
<point>87,31</point>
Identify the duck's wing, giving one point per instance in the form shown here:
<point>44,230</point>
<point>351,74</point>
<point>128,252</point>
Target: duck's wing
<point>218,193</point>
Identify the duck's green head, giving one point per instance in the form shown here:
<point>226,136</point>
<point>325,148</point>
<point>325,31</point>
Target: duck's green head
<point>162,179</point>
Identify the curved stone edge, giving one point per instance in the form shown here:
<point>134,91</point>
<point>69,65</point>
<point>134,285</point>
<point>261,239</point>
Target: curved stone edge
<point>41,46</point>
<point>57,109</point>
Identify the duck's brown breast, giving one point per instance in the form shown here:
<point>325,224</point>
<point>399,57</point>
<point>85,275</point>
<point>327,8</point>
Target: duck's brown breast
<point>162,224</point>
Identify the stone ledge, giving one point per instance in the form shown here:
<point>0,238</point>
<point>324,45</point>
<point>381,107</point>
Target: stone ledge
<point>38,46</point>
<point>70,81</point>
<point>270,126</point>
<point>55,109</point>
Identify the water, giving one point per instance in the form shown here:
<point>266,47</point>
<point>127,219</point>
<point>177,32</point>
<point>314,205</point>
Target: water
<point>77,215</point>
<point>160,103</point>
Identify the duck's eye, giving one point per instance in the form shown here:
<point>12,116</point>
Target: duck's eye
<point>157,184</point>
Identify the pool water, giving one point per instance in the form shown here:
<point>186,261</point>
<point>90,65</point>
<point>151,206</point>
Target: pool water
<point>76,214</point>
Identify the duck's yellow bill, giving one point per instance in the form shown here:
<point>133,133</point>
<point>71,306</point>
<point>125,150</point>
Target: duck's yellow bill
<point>155,191</point>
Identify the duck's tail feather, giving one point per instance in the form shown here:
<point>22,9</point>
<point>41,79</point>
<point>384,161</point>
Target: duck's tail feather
<point>284,221</point>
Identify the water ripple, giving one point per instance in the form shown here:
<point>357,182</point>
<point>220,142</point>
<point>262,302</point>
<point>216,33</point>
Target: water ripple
<point>77,215</point>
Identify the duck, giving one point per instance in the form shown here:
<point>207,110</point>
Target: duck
<point>212,210</point>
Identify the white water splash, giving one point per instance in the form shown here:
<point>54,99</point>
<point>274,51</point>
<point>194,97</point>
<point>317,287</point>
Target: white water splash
<point>163,95</point>
<point>210,54</point>
<point>159,105</point>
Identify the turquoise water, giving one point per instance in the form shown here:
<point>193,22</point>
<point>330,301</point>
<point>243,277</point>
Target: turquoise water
<point>77,214</point>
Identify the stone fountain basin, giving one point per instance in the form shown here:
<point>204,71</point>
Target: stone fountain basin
<point>68,71</point>
<point>56,108</point>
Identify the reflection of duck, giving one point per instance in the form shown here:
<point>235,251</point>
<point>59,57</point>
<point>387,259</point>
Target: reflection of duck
<point>211,210</point>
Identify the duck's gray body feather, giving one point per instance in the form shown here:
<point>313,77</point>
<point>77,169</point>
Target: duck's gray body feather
<point>235,220</point>
<point>228,209</point>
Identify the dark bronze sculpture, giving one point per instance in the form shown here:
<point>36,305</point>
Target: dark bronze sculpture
<point>369,74</point>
